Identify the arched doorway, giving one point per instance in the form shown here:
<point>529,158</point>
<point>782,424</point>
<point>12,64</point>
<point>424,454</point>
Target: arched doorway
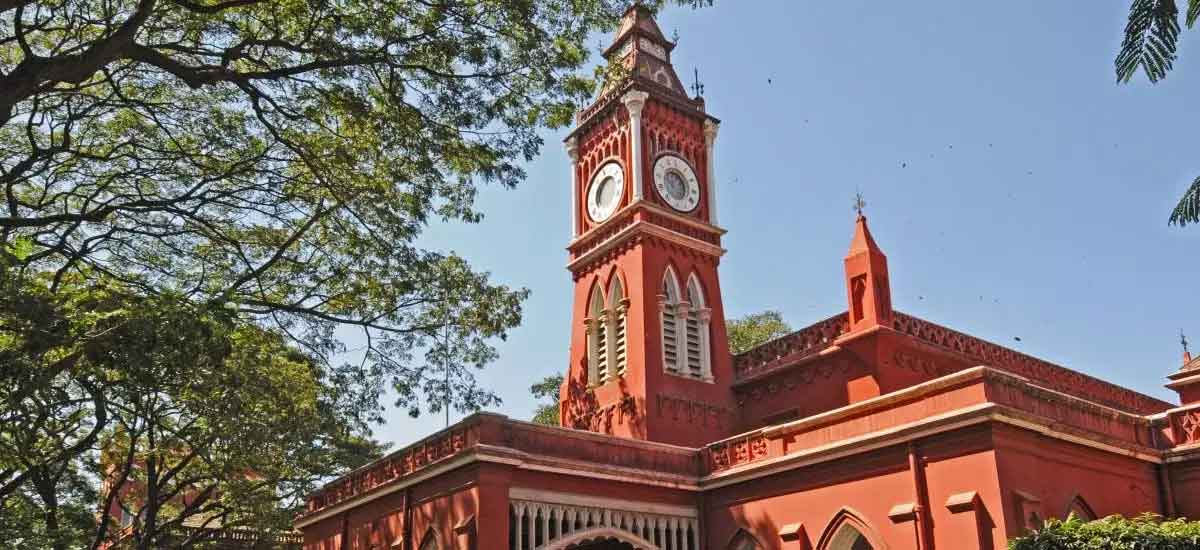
<point>601,538</point>
<point>603,544</point>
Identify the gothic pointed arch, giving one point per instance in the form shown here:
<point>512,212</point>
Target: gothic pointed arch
<point>618,308</point>
<point>429,540</point>
<point>597,336</point>
<point>670,322</point>
<point>849,531</point>
<point>1080,508</point>
<point>697,316</point>
<point>743,540</point>
<point>583,538</point>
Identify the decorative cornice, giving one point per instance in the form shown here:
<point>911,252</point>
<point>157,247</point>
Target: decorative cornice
<point>588,248</point>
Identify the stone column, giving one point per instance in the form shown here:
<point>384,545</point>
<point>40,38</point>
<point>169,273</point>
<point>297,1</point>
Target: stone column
<point>634,100</point>
<point>594,326</point>
<point>573,153</point>
<point>705,352</point>
<point>710,138</point>
<point>681,341</point>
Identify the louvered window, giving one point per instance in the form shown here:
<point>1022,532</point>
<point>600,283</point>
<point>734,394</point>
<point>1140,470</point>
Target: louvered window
<point>694,334</point>
<point>602,347</point>
<point>669,327</point>
<point>617,307</point>
<point>596,331</point>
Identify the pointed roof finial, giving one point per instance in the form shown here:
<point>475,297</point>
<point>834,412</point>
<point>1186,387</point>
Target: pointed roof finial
<point>1187,354</point>
<point>859,203</point>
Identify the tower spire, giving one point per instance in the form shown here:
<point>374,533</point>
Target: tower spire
<point>867,284</point>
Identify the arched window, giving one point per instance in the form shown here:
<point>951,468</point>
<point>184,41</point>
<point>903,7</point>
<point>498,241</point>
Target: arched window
<point>617,307</point>
<point>696,333</point>
<point>597,331</point>
<point>685,328</point>
<point>429,542</point>
<point>847,532</point>
<point>1080,509</point>
<point>743,541</point>
<point>667,304</point>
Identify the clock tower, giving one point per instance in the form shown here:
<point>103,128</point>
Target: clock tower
<point>649,356</point>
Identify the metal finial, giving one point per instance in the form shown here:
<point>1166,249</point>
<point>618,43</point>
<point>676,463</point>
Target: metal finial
<point>1183,341</point>
<point>697,86</point>
<point>859,202</point>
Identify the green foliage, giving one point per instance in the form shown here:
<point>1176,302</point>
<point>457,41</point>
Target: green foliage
<point>748,332</point>
<point>1151,39</point>
<point>100,383</point>
<point>1151,44</point>
<point>547,392</point>
<point>201,198</point>
<point>1147,532</point>
<point>1188,209</point>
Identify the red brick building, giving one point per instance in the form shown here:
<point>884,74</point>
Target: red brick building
<point>872,429</point>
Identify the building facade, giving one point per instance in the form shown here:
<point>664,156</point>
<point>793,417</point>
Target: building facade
<point>872,429</point>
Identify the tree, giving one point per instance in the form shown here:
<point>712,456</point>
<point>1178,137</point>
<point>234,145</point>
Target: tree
<point>150,407</point>
<point>546,391</point>
<point>197,195</point>
<point>750,331</point>
<point>1147,532</point>
<point>1151,44</point>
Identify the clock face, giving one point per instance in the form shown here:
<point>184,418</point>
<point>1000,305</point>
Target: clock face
<point>604,193</point>
<point>676,183</point>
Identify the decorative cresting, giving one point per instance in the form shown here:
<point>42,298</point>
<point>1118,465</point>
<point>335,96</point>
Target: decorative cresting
<point>786,350</point>
<point>404,462</point>
<point>1043,372</point>
<point>550,526</point>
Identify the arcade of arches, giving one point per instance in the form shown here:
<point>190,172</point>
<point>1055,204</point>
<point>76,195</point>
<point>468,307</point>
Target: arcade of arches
<point>870,429</point>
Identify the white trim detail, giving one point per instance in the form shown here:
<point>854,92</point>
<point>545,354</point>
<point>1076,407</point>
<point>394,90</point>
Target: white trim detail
<point>634,100</point>
<point>711,128</point>
<point>540,525</point>
<point>573,152</point>
<point>588,501</point>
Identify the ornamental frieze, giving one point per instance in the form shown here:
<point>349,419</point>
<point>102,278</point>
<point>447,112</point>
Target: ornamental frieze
<point>732,453</point>
<point>693,412</point>
<point>1186,426</point>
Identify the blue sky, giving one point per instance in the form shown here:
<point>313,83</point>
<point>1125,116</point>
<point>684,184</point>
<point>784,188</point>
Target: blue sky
<point>1017,190</point>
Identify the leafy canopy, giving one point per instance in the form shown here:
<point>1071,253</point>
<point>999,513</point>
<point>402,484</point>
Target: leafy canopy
<point>546,391</point>
<point>1151,44</point>
<point>1146,532</point>
<point>750,331</point>
<point>198,198</point>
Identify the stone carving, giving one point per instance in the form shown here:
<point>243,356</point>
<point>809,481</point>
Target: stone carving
<point>730,453</point>
<point>1187,426</point>
<point>692,412</point>
<point>601,419</point>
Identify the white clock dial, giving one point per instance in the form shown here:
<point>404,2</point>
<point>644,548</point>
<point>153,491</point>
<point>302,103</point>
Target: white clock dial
<point>676,183</point>
<point>604,193</point>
